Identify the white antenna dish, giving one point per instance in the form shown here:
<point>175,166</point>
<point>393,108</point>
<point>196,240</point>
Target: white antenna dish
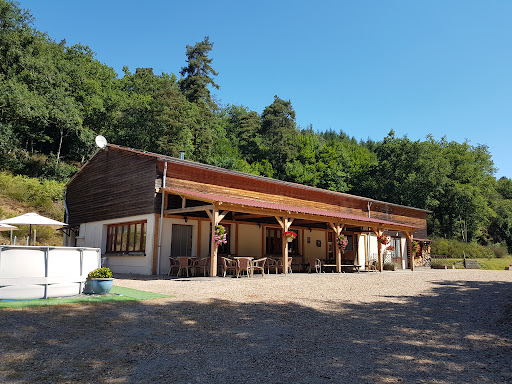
<point>100,141</point>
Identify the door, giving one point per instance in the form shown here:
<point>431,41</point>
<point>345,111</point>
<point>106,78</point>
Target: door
<point>181,240</point>
<point>396,255</point>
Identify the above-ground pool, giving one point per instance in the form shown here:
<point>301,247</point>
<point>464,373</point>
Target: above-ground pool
<point>43,272</point>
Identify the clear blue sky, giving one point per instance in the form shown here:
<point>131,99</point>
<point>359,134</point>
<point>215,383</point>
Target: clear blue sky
<point>364,66</point>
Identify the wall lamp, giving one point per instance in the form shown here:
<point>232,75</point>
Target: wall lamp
<point>186,219</point>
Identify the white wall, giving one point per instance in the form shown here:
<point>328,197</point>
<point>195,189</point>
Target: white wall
<point>167,239</point>
<point>311,250</point>
<point>249,240</point>
<point>95,235</point>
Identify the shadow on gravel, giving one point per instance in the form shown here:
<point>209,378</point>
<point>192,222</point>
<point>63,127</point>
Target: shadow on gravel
<point>456,333</point>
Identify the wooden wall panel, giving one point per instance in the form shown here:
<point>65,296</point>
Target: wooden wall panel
<point>114,183</point>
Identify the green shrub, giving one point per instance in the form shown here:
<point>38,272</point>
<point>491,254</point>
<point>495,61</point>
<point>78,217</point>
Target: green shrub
<point>440,264</point>
<point>389,266</point>
<point>40,194</point>
<point>455,248</point>
<point>100,273</point>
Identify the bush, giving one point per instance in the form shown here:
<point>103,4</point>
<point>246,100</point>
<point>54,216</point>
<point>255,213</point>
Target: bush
<point>440,264</point>
<point>457,249</point>
<point>40,194</point>
<point>100,273</point>
<point>389,266</point>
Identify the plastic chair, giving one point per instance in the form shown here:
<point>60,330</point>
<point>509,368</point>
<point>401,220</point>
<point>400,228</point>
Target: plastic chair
<point>173,264</point>
<point>244,264</point>
<point>228,265</point>
<point>184,264</point>
<point>280,265</point>
<point>259,265</point>
<point>316,265</point>
<point>271,263</point>
<point>203,264</point>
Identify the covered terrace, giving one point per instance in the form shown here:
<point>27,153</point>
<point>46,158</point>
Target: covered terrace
<point>189,199</point>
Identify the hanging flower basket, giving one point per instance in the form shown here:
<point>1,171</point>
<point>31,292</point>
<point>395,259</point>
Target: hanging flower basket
<point>220,235</point>
<point>289,235</point>
<point>342,241</point>
<point>415,246</point>
<point>390,248</point>
<point>383,239</point>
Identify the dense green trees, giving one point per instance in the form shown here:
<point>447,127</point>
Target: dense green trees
<point>55,98</point>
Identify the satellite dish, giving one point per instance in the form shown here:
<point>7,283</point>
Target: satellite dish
<point>100,141</point>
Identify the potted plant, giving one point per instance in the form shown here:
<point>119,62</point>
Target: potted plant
<point>342,242</point>
<point>389,266</point>
<point>99,281</point>
<point>415,247</point>
<point>383,239</point>
<point>289,235</point>
<point>220,235</point>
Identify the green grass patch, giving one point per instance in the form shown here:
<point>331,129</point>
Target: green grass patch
<point>498,264</point>
<point>490,264</point>
<point>120,294</point>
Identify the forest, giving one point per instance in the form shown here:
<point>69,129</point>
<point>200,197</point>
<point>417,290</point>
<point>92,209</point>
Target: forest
<point>55,98</point>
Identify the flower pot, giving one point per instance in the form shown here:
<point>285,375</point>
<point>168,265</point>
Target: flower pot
<point>98,286</point>
<point>289,239</point>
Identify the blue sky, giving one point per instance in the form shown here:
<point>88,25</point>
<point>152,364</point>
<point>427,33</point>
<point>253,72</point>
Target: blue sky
<point>365,67</point>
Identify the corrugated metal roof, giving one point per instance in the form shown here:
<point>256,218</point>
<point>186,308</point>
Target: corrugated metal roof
<point>210,197</point>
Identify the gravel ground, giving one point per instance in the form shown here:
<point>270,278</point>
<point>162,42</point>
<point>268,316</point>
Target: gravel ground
<point>423,327</point>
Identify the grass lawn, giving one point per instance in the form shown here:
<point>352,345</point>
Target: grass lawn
<point>496,264</point>
<point>121,294</point>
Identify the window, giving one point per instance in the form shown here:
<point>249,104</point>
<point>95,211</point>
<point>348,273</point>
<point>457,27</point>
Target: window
<point>274,244</point>
<point>126,237</point>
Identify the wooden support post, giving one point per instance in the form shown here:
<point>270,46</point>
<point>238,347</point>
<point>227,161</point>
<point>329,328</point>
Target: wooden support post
<point>155,244</point>
<point>408,236</point>
<point>215,218</point>
<point>263,241</point>
<point>337,228</point>
<point>285,223</point>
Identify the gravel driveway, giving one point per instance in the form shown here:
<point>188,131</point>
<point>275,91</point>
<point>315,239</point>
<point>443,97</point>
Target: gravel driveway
<point>423,327</point>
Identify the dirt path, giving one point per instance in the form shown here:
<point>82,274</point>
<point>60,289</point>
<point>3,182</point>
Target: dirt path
<point>421,327</point>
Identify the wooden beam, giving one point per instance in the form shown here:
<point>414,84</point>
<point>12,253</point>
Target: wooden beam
<point>155,243</point>
<point>250,216</point>
<point>214,216</point>
<point>188,209</point>
<point>379,249</point>
<point>319,218</point>
<point>409,236</point>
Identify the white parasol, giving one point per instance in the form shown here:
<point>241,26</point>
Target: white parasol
<point>7,227</point>
<point>31,218</point>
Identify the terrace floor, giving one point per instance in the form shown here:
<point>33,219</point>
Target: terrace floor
<point>439,326</point>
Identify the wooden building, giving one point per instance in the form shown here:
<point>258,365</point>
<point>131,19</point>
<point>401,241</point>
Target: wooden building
<point>140,208</point>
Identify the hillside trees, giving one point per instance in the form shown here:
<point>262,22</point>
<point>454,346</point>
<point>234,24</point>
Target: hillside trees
<point>55,98</point>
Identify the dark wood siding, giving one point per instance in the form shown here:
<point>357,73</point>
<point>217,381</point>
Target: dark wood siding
<point>114,183</point>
